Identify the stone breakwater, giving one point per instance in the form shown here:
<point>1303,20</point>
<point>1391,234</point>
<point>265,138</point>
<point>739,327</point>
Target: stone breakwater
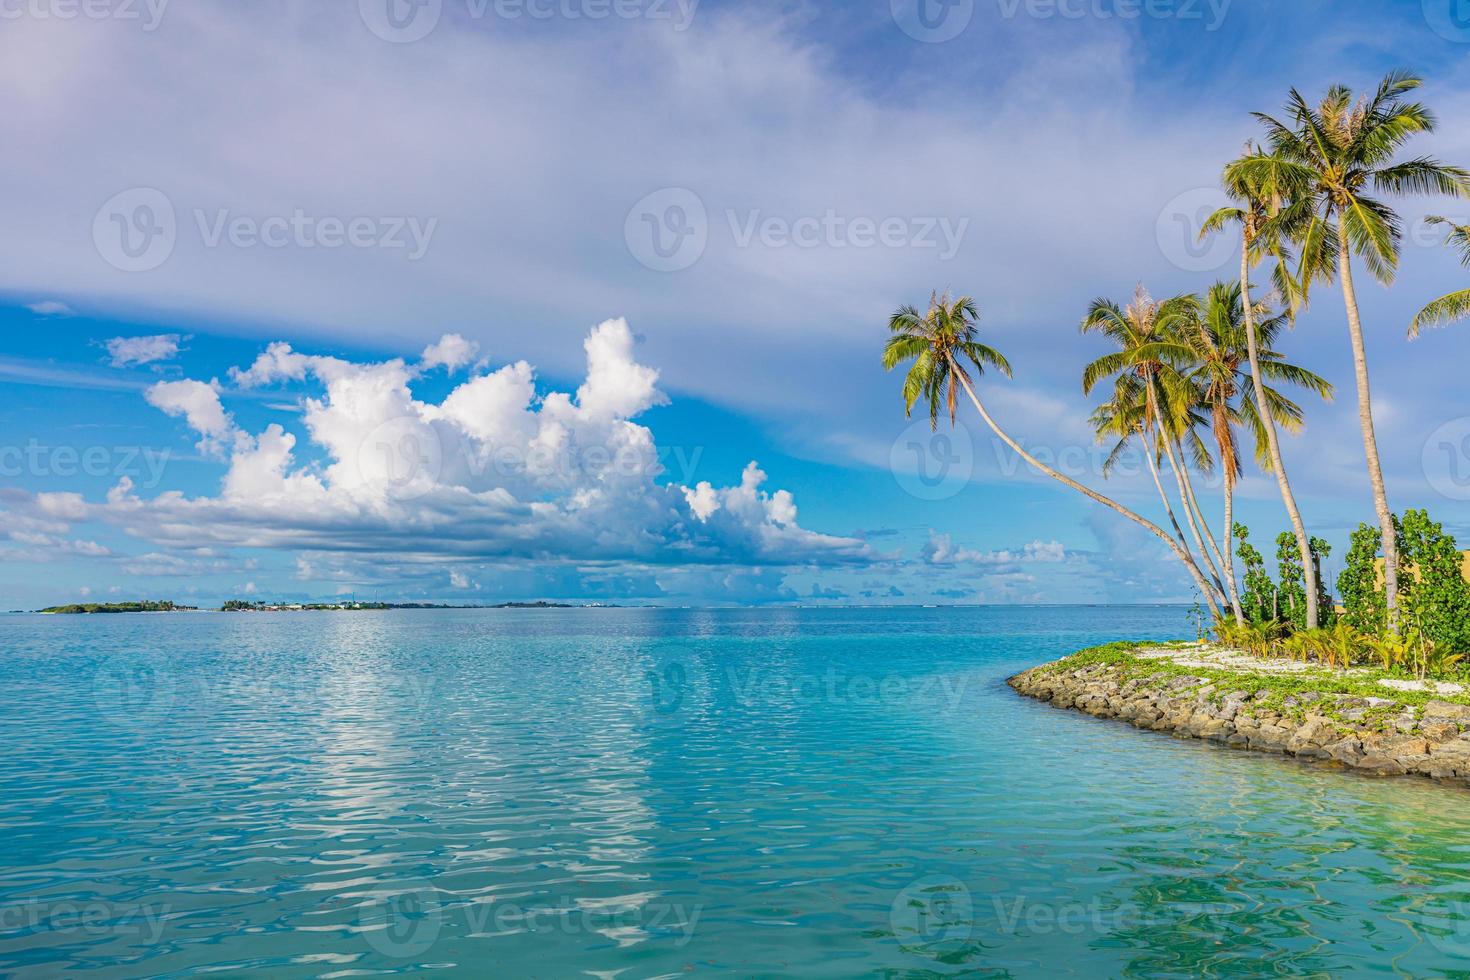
<point>1430,740</point>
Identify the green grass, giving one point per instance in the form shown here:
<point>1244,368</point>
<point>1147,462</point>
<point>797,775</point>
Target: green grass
<point>1278,689</point>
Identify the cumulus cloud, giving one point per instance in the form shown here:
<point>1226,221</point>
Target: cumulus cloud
<point>200,406</point>
<point>130,351</point>
<point>494,471</point>
<point>941,550</point>
<point>452,352</point>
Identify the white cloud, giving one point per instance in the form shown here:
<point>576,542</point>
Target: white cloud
<point>129,351</point>
<point>494,471</point>
<point>452,352</point>
<point>200,406</point>
<point>941,550</point>
<point>51,307</point>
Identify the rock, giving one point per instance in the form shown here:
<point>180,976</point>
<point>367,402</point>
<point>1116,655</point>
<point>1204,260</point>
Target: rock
<point>1270,738</point>
<point>1398,740</point>
<point>1383,765</point>
<point>1439,731</point>
<point>1446,711</point>
<point>1347,751</point>
<point>1312,737</point>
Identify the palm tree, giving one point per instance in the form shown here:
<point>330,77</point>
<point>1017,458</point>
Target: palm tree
<point>942,349</point>
<point>1258,184</point>
<point>1455,306</point>
<point>1125,417</point>
<point>1334,155</point>
<point>1230,339</point>
<point>1150,350</point>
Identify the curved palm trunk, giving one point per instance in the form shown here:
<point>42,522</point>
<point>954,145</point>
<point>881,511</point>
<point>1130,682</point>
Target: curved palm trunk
<point>1189,518</point>
<point>1174,466</point>
<point>1199,516</point>
<point>1232,592</point>
<point>1153,471</point>
<point>1273,442</point>
<point>1370,438</point>
<point>1235,606</point>
<point>1179,552</point>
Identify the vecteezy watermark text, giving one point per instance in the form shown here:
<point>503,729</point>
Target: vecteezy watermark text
<point>90,919</point>
<point>407,920</point>
<point>669,230</point>
<point>673,682</point>
<point>406,21</point>
<point>138,230</point>
<point>142,464</point>
<point>1211,13</point>
<point>147,13</point>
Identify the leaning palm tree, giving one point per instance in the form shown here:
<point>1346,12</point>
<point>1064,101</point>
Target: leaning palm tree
<point>1150,350</point>
<point>1261,186</point>
<point>1455,306</point>
<point>1335,154</point>
<point>1230,339</point>
<point>941,348</point>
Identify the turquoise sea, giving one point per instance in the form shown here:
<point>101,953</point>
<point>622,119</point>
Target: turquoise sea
<point>659,793</point>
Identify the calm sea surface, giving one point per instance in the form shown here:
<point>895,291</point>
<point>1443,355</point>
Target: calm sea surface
<point>641,793</point>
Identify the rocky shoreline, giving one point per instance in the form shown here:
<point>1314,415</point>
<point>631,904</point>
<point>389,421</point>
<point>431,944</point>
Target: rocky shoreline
<point>1377,735</point>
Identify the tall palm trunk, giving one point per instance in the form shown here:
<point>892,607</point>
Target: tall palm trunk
<point>1230,552</point>
<point>1179,552</point>
<point>1370,438</point>
<point>1273,442</point>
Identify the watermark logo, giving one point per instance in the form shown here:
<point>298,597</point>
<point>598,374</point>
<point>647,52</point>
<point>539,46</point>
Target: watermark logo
<point>404,456</point>
<point>402,922</point>
<point>1450,931</point>
<point>134,693</point>
<point>932,21</point>
<point>668,685</point>
<point>1179,226</point>
<point>934,911</point>
<point>406,21</point>
<point>932,464</point>
<point>668,230</point>
<point>1450,19</point>
<point>1446,459</point>
<point>401,21</point>
<point>136,230</point>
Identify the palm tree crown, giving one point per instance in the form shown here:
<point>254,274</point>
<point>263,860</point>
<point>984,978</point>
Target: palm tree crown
<point>940,343</point>
<point>1333,158</point>
<point>1224,380</point>
<point>1455,306</point>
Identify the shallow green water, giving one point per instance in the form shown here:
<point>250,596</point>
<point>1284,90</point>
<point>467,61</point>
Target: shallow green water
<point>640,793</point>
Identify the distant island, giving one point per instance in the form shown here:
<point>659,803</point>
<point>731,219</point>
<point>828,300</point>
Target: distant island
<point>247,605</point>
<point>146,605</point>
<point>240,605</point>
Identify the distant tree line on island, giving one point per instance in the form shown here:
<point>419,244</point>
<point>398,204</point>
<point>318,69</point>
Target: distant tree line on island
<point>251,605</point>
<point>146,605</point>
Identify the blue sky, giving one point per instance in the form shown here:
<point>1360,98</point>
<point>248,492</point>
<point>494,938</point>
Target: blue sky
<point>315,177</point>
